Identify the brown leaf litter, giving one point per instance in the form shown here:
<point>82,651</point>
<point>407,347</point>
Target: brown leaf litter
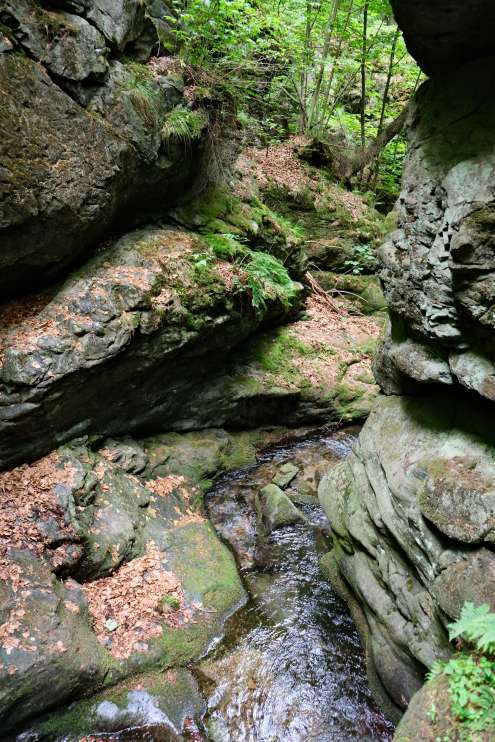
<point>128,609</point>
<point>334,327</point>
<point>26,502</point>
<point>278,164</point>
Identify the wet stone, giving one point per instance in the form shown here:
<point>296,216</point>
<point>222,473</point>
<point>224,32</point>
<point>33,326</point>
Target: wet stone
<point>285,474</point>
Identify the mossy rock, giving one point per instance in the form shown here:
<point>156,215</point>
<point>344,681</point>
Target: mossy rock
<point>220,212</point>
<point>276,510</point>
<point>365,291</point>
<point>167,699</point>
<point>429,717</point>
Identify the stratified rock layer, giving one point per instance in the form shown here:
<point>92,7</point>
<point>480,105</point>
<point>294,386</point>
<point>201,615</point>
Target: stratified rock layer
<point>406,510</point>
<point>413,509</point>
<point>122,344</point>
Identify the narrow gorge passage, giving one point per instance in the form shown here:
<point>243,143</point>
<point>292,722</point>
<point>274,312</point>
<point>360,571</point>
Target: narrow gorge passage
<point>291,666</point>
<point>247,370</point>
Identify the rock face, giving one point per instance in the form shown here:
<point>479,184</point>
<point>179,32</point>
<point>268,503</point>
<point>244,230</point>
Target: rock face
<point>412,511</point>
<point>81,144</point>
<point>446,33</point>
<point>155,314</point>
<point>406,510</point>
<point>438,267</point>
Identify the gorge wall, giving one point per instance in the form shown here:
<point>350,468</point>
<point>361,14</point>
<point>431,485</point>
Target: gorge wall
<point>138,297</point>
<point>413,509</point>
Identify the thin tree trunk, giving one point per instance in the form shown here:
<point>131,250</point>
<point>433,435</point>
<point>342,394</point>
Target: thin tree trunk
<point>325,53</point>
<point>363,74</point>
<point>366,156</point>
<point>385,101</point>
<point>338,54</point>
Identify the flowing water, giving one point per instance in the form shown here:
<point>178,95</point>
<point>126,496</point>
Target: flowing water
<point>291,666</point>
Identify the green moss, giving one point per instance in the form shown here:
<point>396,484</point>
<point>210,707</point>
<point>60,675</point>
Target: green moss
<point>241,451</point>
<point>219,212</point>
<point>275,352</point>
<point>177,696</point>
<point>170,602</point>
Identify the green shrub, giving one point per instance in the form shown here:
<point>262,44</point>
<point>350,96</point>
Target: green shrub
<point>471,672</point>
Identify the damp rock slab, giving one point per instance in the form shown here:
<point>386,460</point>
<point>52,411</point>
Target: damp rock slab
<point>412,514</point>
<point>123,343</point>
<point>62,638</point>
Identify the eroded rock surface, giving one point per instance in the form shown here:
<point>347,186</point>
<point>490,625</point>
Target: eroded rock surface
<point>146,316</point>
<point>81,143</point>
<point>405,511</point>
<point>438,266</point>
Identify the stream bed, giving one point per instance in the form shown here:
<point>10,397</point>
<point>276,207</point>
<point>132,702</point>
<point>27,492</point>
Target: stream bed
<point>290,666</point>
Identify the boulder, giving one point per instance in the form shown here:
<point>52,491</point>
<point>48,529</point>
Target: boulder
<point>316,370</point>
<point>430,718</point>
<point>276,510</point>
<point>119,21</point>
<point>444,34</point>
<point>365,291</point>
<point>285,475</point>
<point>66,44</point>
<point>164,703</point>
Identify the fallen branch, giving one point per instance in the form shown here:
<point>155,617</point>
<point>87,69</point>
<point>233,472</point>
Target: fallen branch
<point>319,291</point>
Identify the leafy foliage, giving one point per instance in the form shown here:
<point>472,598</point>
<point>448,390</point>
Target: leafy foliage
<point>477,625</point>
<point>334,68</point>
<point>362,261</point>
<point>265,276</point>
<point>471,675</point>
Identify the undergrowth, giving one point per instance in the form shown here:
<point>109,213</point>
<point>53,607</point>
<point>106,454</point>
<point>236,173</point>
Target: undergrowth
<point>265,276</point>
<point>471,672</point>
<point>183,125</point>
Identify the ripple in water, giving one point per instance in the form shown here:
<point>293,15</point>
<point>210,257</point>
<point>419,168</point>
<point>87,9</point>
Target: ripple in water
<point>291,666</point>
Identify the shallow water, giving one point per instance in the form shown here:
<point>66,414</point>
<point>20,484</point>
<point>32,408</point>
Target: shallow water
<point>291,666</point>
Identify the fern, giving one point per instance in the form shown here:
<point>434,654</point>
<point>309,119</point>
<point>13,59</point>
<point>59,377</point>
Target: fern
<point>471,675</point>
<point>477,625</point>
<point>265,276</point>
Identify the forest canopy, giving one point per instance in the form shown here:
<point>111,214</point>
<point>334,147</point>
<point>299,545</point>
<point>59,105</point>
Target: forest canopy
<point>335,70</point>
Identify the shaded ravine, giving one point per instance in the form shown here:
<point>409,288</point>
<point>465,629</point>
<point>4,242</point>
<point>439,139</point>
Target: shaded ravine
<point>291,666</point>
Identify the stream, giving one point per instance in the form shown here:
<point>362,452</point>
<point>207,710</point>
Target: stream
<point>290,666</point>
